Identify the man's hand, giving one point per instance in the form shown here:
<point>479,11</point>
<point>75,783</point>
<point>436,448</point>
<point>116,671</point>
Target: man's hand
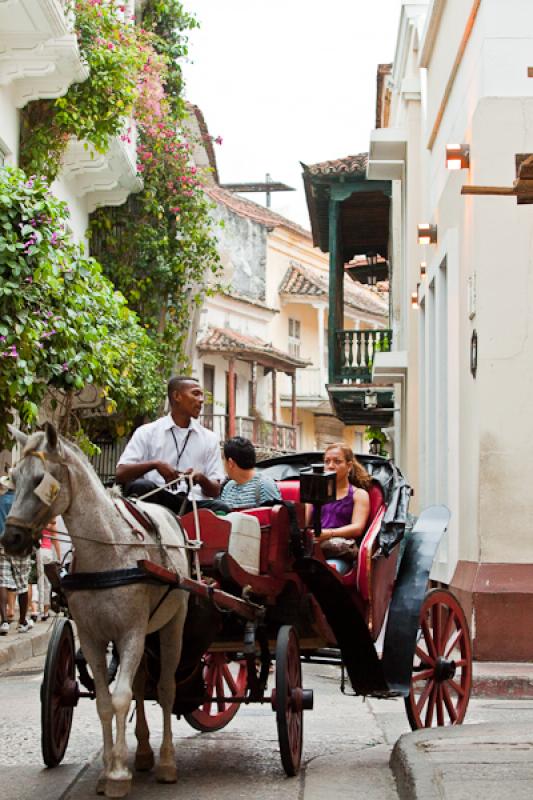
<point>209,488</point>
<point>167,472</point>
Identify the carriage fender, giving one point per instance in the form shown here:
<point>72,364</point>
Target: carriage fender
<point>410,588</point>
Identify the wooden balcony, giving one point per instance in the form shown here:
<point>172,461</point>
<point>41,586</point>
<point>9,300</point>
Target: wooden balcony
<point>355,351</point>
<point>263,433</point>
<point>355,400</point>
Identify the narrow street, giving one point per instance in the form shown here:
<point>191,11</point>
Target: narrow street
<point>347,747</point>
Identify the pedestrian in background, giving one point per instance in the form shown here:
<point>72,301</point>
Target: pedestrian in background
<point>14,574</point>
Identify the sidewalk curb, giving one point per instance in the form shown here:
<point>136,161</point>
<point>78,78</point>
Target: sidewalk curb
<point>24,648</point>
<point>412,783</point>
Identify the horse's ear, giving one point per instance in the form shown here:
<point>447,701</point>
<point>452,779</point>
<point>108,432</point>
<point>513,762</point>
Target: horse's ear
<point>51,435</point>
<point>18,435</point>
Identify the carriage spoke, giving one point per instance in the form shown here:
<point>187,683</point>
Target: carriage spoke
<point>447,631</point>
<point>458,688</point>
<point>440,706</point>
<point>454,642</point>
<point>431,705</point>
<point>220,693</point>
<point>420,703</point>
<point>429,639</point>
<point>449,704</point>
<point>424,657</point>
<point>229,679</point>
<point>423,676</point>
<point>437,619</point>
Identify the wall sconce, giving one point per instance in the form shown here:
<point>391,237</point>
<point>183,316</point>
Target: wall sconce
<point>457,156</point>
<point>423,269</point>
<point>414,299</point>
<point>427,233</point>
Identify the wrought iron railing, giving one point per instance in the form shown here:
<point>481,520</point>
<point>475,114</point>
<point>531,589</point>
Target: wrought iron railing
<point>356,350</point>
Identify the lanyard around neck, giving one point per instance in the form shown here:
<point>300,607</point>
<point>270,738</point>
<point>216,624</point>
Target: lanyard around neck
<point>179,452</point>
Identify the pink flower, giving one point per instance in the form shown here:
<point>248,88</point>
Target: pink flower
<point>218,140</point>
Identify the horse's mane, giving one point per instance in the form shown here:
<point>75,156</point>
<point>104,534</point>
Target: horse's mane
<point>39,437</point>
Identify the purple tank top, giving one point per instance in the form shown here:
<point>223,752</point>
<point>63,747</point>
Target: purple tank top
<point>339,512</point>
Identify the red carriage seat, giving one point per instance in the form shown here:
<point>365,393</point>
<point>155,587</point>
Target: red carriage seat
<point>290,490</point>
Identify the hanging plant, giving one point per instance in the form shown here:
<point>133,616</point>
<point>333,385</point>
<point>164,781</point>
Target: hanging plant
<point>116,53</point>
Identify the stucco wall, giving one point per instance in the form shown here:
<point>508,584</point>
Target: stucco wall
<point>9,126</point>
<point>242,248</point>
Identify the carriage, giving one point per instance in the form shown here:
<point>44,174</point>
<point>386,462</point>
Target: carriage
<point>286,604</point>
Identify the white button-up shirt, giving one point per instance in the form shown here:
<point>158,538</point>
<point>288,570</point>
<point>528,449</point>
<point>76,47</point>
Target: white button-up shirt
<point>163,440</point>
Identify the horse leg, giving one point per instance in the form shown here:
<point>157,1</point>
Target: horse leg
<point>144,755</point>
<point>170,637</point>
<point>96,658</point>
<point>130,651</point>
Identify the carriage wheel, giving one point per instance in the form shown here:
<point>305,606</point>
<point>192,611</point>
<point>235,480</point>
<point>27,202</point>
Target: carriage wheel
<point>442,668</point>
<point>59,693</point>
<point>287,699</point>
<point>220,680</point>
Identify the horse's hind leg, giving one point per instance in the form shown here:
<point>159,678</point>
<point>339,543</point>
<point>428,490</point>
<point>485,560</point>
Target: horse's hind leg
<point>170,637</point>
<point>144,755</point>
<point>130,649</point>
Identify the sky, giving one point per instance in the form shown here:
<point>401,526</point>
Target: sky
<point>285,81</point>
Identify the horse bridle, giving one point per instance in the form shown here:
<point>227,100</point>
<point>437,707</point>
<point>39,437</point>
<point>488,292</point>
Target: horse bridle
<point>35,525</point>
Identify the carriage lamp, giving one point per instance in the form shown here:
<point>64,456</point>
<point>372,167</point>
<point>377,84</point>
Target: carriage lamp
<point>423,269</point>
<point>317,487</point>
<point>427,233</point>
<point>457,156</point>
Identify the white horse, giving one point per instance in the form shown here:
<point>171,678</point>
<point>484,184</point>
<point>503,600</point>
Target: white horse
<point>103,541</point>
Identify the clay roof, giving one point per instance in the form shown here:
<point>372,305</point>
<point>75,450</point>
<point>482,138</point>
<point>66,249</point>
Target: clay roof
<point>349,165</point>
<point>248,348</point>
<point>300,280</point>
<point>247,208</point>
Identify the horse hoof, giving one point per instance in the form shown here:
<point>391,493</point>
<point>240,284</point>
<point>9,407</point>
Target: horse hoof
<point>166,774</point>
<point>117,788</point>
<point>144,762</point>
<point>100,784</point>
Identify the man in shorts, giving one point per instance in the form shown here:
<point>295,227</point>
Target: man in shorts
<point>14,574</point>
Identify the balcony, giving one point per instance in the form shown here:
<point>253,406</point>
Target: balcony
<point>106,179</point>
<point>264,434</point>
<point>310,388</point>
<point>354,398</point>
<point>356,351</point>
<point>39,53</point>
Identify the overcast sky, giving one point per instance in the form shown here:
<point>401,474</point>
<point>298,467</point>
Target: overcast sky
<point>284,81</point>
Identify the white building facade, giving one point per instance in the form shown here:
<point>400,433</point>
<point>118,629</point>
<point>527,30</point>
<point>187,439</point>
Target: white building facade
<point>463,356</point>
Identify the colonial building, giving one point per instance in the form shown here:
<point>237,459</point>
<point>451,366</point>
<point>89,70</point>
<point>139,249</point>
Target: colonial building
<point>454,131</point>
<point>262,341</point>
<point>40,58</point>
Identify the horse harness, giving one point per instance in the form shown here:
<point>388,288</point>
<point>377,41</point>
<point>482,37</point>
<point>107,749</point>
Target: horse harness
<point>97,580</point>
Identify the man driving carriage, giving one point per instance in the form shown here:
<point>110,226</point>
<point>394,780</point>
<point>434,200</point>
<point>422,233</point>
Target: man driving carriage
<point>175,445</point>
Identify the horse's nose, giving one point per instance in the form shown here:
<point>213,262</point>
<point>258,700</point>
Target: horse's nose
<point>12,541</point>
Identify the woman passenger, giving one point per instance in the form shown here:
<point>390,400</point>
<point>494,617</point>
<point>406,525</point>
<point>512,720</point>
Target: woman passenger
<point>345,519</point>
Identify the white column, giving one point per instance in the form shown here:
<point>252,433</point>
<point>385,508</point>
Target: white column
<point>321,326</point>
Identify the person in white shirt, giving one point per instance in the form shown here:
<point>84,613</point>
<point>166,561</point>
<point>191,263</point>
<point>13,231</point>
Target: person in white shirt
<point>161,451</point>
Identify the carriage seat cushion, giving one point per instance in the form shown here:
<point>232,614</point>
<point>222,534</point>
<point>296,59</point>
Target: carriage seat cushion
<point>290,490</point>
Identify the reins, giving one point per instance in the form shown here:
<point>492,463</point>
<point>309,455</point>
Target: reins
<point>35,524</point>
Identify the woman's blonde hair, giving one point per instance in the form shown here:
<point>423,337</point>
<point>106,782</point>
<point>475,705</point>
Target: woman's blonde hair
<point>358,474</point>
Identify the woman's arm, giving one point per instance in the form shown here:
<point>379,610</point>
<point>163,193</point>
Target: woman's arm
<point>361,511</point>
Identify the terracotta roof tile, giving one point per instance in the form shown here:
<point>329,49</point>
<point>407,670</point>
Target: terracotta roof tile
<point>349,165</point>
<point>300,280</point>
<point>255,211</point>
<point>227,340</point>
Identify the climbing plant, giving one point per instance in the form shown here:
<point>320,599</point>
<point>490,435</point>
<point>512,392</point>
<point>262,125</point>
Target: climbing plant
<point>62,324</point>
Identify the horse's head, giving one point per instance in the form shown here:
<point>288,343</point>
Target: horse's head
<point>41,489</point>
